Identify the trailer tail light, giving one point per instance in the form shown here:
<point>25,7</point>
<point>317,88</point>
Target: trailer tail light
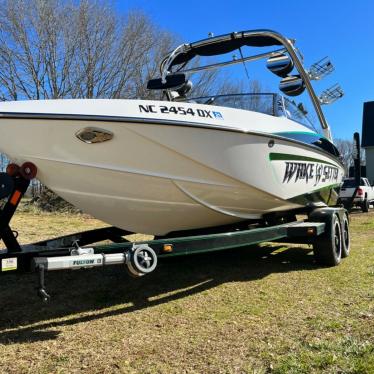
<point>16,197</point>
<point>168,248</point>
<point>360,192</point>
<point>311,231</point>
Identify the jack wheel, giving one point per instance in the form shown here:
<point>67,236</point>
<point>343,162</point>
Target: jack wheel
<point>28,170</point>
<point>42,293</point>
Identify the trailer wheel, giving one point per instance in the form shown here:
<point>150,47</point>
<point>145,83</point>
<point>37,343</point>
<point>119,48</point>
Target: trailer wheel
<point>328,248</point>
<point>346,240</point>
<point>365,206</point>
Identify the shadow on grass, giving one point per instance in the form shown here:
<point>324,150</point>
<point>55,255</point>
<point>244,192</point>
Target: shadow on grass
<point>24,318</point>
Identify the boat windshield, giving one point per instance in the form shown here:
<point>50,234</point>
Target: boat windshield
<point>268,103</point>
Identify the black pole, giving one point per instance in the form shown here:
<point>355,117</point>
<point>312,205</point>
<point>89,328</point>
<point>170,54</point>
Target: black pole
<point>357,157</point>
<point>356,165</point>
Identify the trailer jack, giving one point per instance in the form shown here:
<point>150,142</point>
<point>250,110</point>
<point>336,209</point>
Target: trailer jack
<point>139,260</point>
<point>42,292</point>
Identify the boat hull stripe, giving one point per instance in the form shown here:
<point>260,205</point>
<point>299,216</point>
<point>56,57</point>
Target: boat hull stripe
<point>289,157</point>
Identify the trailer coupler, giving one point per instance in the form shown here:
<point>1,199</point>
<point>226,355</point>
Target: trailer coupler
<point>140,260</point>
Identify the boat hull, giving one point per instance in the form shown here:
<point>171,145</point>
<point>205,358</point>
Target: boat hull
<point>155,178</point>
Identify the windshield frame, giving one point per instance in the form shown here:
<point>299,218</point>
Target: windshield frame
<point>279,108</point>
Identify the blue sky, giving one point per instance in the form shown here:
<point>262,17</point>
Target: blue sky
<point>343,30</point>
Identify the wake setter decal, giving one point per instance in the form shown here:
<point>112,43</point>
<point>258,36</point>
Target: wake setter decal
<point>297,172</point>
<point>315,173</point>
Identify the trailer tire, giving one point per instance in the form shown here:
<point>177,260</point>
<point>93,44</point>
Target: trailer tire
<point>346,240</point>
<point>328,248</point>
<point>365,206</point>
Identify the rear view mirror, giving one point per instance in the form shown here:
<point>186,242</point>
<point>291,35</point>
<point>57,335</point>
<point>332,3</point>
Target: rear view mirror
<point>174,81</point>
<point>280,64</point>
<point>292,85</point>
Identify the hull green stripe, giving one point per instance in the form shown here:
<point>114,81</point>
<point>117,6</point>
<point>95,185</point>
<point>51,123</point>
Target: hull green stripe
<point>289,157</point>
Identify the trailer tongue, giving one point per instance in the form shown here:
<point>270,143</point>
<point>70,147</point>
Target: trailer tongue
<point>326,228</point>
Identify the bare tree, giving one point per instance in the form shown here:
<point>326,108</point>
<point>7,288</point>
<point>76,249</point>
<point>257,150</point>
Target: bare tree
<point>345,148</point>
<point>67,49</point>
<point>81,49</point>
<point>76,49</point>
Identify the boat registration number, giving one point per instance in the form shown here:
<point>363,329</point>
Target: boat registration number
<point>180,110</point>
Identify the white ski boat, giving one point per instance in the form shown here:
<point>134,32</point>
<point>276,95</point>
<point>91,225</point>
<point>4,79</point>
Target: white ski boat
<point>179,164</point>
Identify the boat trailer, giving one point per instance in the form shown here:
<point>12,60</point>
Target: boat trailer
<point>327,229</point>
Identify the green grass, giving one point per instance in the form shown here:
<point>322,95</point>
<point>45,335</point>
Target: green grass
<point>259,309</point>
